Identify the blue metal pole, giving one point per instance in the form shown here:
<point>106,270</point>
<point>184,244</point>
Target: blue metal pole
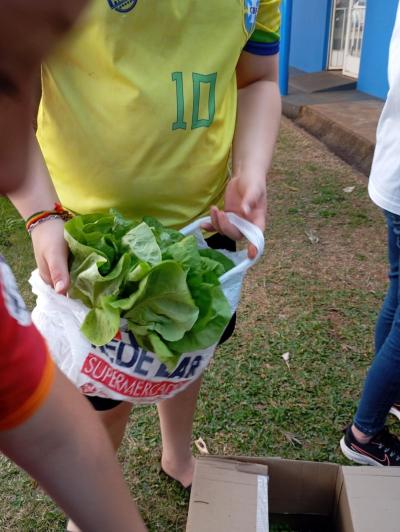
<point>284,52</point>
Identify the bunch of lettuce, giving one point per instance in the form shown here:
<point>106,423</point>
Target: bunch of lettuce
<point>166,288</point>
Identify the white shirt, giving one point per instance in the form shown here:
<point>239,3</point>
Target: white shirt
<point>384,181</point>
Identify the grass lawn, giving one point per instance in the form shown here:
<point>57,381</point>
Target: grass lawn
<point>315,295</point>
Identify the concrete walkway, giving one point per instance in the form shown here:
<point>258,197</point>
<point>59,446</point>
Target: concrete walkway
<point>327,105</point>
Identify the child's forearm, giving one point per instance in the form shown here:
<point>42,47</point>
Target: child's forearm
<point>37,193</point>
<point>258,116</point>
<point>258,119</point>
<point>65,447</point>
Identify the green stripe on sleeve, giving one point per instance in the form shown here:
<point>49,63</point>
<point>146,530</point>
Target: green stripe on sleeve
<point>263,36</point>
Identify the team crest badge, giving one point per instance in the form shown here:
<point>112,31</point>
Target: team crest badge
<point>122,6</point>
<point>250,15</point>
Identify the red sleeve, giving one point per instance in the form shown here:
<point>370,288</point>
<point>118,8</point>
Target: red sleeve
<point>26,369</point>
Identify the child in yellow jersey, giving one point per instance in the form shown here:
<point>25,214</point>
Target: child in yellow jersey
<point>141,105</point>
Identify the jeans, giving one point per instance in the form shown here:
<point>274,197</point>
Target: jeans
<point>382,385</point>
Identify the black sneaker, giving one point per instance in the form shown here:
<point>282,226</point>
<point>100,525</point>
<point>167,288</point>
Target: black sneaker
<point>395,410</point>
<point>382,450</point>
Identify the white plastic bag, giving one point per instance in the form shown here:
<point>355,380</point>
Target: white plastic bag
<point>121,369</point>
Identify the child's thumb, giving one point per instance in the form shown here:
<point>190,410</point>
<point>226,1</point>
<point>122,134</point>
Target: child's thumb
<point>59,276</point>
<point>249,201</point>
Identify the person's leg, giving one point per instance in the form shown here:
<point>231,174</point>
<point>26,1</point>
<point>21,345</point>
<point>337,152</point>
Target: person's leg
<point>381,387</point>
<point>176,421</point>
<point>367,440</point>
<point>388,310</point>
<point>383,380</point>
<point>66,449</point>
<point>114,419</point>
<point>386,315</point>
<point>176,414</point>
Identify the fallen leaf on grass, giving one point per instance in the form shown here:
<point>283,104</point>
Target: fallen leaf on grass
<point>347,347</point>
<point>293,189</point>
<point>348,190</point>
<point>293,439</point>
<point>201,446</point>
<point>286,357</point>
<point>312,236</point>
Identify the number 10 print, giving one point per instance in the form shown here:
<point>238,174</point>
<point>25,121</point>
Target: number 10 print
<point>198,80</point>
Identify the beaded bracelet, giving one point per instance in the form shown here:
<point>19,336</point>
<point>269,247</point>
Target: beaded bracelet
<point>43,216</point>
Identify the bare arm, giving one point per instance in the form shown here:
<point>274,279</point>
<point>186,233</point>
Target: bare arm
<point>77,467</point>
<point>258,120</point>
<point>37,193</point>
<point>259,115</point>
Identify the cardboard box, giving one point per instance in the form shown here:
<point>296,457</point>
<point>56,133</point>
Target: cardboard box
<point>236,494</point>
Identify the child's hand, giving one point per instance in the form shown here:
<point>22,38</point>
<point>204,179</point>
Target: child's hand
<point>246,198</point>
<point>51,253</point>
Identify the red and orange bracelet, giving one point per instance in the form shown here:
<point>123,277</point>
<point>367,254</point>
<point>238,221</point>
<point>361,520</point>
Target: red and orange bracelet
<point>43,216</point>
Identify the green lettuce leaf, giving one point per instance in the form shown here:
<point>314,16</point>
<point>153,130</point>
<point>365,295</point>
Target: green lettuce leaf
<point>142,243</point>
<point>121,225</point>
<point>217,256</point>
<point>88,284</point>
<point>214,316</point>
<point>101,323</point>
<point>164,235</point>
<point>185,252</point>
<point>162,303</point>
<point>91,232</point>
<point>138,272</point>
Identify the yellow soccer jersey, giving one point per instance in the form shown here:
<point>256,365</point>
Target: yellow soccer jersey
<point>139,103</point>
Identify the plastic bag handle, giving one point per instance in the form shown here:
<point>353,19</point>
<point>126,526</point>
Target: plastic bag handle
<point>253,234</point>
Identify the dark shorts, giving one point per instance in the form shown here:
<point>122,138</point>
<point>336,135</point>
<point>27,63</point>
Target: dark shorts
<point>216,241</point>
